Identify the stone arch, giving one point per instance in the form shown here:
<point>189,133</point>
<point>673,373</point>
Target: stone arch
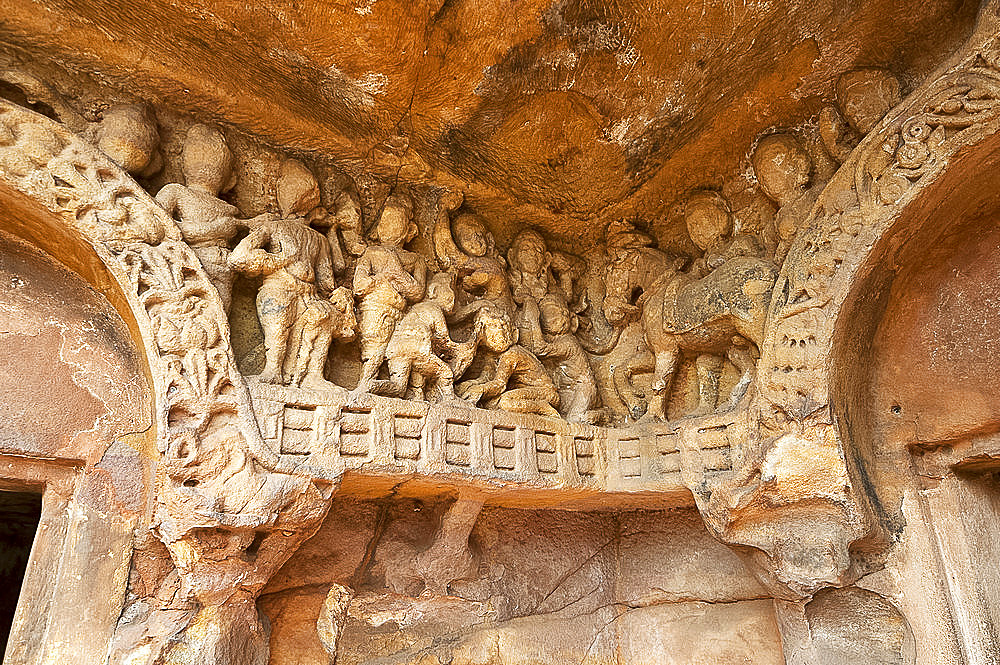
<point>803,463</point>
<point>87,212</point>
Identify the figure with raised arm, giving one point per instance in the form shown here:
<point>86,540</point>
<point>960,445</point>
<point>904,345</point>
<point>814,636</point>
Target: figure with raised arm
<point>466,247</point>
<point>299,304</point>
<point>207,223</point>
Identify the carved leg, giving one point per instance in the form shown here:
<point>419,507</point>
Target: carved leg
<point>709,368</point>
<point>399,379</point>
<point>275,311</point>
<point>622,380</point>
<point>319,347</point>
<point>663,376</point>
<point>741,356</point>
<point>530,400</point>
<point>577,401</point>
<point>376,326</point>
<point>439,372</point>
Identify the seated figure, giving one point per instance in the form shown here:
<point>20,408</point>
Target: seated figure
<point>519,383</point>
<point>419,336</point>
<point>551,337</point>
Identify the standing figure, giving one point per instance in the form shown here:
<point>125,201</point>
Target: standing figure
<point>467,248</point>
<point>530,260</point>
<point>207,223</point>
<point>298,322</point>
<point>386,278</point>
<point>784,170</point>
<point>519,383</point>
<point>418,338</point>
<point>573,375</point>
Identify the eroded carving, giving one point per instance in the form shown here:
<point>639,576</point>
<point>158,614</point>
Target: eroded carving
<point>226,516</point>
<point>299,304</point>
<point>386,278</point>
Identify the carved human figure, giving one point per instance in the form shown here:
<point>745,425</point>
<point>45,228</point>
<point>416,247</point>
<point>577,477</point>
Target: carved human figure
<point>386,278</point>
<point>295,262</point>
<point>551,328</point>
<point>466,247</point>
<point>418,338</point>
<point>783,170</point>
<point>710,226</point>
<point>864,96</point>
<point>207,223</point>
<point>127,133</point>
<point>535,271</point>
<point>519,383</point>
<point>343,223</point>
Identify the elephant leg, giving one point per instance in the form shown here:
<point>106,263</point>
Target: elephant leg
<point>709,367</point>
<point>663,376</point>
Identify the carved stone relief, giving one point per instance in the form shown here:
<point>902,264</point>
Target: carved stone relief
<point>499,370</point>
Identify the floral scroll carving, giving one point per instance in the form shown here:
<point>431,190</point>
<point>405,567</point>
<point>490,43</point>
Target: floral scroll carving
<point>221,499</point>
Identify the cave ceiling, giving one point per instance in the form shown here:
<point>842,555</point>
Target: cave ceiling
<point>559,113</point>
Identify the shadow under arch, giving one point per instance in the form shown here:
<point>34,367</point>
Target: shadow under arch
<point>902,290</point>
<point>917,395</point>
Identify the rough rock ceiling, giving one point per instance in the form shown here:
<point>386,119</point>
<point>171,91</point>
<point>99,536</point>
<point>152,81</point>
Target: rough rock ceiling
<point>559,113</point>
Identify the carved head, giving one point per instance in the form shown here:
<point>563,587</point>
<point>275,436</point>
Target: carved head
<point>621,237</point>
<point>395,225</point>
<point>207,161</point>
<point>782,167</point>
<point>497,330</point>
<point>471,235</point>
<point>441,289</point>
<point>866,95</point>
<point>708,218</point>
<point>528,253</point>
<point>298,191</point>
<point>555,317</point>
<point>129,136</point>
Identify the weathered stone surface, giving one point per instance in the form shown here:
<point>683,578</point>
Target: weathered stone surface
<point>574,332</point>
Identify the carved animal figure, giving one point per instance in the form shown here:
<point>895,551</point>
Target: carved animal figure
<point>714,314</point>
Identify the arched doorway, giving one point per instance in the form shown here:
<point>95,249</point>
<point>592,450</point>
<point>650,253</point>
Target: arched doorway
<point>75,418</point>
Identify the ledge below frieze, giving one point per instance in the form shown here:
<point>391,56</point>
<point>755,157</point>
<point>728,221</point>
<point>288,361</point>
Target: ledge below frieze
<point>377,444</point>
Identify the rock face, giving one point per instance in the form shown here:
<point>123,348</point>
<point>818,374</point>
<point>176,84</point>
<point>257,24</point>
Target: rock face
<point>488,334</point>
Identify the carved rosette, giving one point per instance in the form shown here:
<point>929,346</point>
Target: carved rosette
<point>226,509</point>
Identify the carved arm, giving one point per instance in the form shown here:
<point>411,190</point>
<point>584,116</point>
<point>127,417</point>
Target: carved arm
<point>250,256</point>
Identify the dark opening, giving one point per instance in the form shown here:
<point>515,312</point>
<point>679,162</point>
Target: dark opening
<point>19,516</point>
